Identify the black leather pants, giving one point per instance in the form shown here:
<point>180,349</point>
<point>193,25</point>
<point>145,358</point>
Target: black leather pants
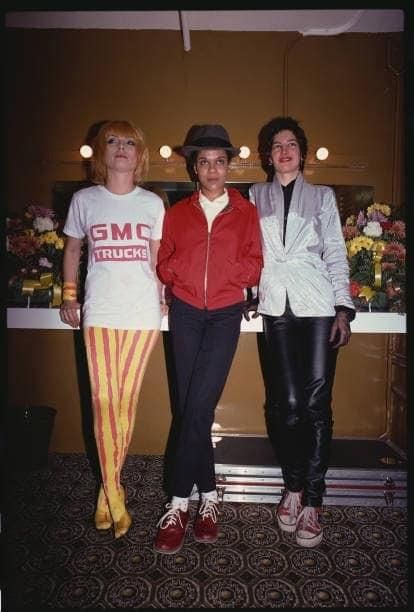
<point>299,375</point>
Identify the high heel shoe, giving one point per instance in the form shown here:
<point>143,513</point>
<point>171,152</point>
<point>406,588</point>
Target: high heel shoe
<point>121,527</point>
<point>103,518</point>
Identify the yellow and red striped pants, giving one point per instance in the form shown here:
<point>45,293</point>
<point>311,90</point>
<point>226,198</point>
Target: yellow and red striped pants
<point>117,360</point>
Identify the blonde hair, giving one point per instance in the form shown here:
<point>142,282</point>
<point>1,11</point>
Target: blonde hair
<point>123,129</point>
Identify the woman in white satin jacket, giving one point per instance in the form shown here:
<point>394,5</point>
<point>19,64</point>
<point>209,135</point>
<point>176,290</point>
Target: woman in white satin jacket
<point>305,302</point>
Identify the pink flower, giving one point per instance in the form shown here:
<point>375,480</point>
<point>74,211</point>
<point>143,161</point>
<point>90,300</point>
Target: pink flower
<point>40,211</point>
<point>395,250</point>
<point>350,231</point>
<point>23,245</point>
<point>397,229</point>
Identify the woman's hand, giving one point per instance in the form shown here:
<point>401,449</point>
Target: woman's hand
<point>69,313</point>
<point>250,309</point>
<point>340,330</point>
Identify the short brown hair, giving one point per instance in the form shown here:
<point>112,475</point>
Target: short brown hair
<point>276,125</point>
<point>124,129</point>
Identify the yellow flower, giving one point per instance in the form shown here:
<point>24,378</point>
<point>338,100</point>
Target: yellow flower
<point>59,244</point>
<point>358,243</point>
<point>48,238</point>
<point>383,208</point>
<point>378,246</point>
<point>366,292</point>
<point>374,242</point>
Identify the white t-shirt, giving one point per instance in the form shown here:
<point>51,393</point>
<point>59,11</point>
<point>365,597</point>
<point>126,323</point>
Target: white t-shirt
<point>121,289</point>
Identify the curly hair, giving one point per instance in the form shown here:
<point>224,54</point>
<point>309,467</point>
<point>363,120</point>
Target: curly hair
<point>123,129</point>
<point>276,125</point>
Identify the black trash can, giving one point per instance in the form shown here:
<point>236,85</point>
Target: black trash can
<point>29,436</point>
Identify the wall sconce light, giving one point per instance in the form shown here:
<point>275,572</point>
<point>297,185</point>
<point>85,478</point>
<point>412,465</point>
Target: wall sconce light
<point>86,151</point>
<point>322,153</point>
<point>165,151</point>
<point>244,152</point>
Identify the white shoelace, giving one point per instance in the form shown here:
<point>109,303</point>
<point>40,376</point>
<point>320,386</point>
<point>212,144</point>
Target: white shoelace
<point>292,503</point>
<point>308,520</point>
<point>209,509</point>
<point>171,517</point>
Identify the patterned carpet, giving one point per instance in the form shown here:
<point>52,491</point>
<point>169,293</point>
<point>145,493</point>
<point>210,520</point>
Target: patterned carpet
<point>56,559</point>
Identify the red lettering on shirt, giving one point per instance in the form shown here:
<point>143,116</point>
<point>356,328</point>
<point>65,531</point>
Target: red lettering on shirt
<point>113,231</point>
<point>121,233</point>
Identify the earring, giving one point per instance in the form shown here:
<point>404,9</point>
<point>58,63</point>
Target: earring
<point>270,162</point>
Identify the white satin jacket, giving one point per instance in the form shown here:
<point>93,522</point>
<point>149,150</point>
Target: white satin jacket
<point>312,266</point>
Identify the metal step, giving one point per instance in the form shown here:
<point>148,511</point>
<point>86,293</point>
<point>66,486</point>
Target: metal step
<point>378,476</point>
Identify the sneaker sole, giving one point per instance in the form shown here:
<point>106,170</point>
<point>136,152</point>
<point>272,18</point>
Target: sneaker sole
<point>309,542</point>
<point>168,552</point>
<point>284,527</point>
<point>206,541</point>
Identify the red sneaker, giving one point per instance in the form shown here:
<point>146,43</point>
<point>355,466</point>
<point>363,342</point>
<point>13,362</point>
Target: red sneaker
<point>309,533</point>
<point>171,530</point>
<point>288,510</point>
<point>205,526</point>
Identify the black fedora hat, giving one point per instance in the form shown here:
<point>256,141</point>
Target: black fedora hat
<point>208,137</point>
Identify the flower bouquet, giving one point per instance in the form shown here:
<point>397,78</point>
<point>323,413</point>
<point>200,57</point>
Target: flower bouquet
<point>375,241</point>
<point>34,244</point>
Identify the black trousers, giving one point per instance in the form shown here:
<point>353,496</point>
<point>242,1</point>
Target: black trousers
<point>299,375</point>
<point>204,343</point>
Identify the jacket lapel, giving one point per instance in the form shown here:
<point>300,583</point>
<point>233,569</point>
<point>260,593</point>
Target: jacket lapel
<point>276,199</point>
<point>296,212</point>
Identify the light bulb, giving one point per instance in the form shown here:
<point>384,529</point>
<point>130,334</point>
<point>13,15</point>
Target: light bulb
<point>165,151</point>
<point>86,151</point>
<point>244,152</point>
<point>322,153</point>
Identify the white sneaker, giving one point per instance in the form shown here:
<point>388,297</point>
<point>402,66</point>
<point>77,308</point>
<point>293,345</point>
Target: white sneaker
<point>309,532</point>
<point>288,510</point>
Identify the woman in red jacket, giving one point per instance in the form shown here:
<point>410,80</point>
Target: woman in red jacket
<point>210,252</point>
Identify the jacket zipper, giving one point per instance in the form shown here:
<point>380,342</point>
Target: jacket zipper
<point>206,268</point>
<point>225,210</point>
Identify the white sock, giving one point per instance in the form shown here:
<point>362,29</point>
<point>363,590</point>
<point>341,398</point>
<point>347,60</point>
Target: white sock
<point>210,495</point>
<point>180,502</point>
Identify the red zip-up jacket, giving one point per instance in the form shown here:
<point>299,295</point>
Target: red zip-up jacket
<point>210,270</point>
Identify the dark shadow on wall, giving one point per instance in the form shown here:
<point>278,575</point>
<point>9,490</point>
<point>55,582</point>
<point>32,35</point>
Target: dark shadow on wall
<point>174,428</point>
<point>86,405</point>
<point>269,413</point>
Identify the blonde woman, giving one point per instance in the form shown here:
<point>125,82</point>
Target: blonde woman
<point>122,309</point>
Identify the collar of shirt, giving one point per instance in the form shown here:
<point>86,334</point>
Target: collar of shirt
<point>221,201</point>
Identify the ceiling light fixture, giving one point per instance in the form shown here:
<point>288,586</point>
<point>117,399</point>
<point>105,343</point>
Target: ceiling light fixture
<point>322,153</point>
<point>244,152</point>
<point>165,151</point>
<point>86,151</point>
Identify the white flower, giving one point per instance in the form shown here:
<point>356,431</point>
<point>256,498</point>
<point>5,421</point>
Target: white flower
<point>45,263</point>
<point>43,224</point>
<point>373,229</point>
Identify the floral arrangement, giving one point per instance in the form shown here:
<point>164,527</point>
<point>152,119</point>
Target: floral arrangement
<point>34,244</point>
<point>375,241</point>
